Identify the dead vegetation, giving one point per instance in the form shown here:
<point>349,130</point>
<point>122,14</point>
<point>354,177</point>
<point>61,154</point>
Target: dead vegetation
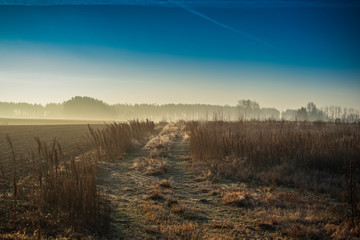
<point>243,150</point>
<point>159,146</point>
<point>150,166</point>
<point>117,139</point>
<point>158,149</point>
<point>49,194</point>
<point>320,157</point>
<point>164,183</point>
<point>247,180</point>
<point>238,199</point>
<point>171,201</point>
<point>155,195</point>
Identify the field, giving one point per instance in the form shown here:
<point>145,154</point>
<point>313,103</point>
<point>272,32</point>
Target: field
<point>183,180</point>
<point>32,122</point>
<point>23,136</point>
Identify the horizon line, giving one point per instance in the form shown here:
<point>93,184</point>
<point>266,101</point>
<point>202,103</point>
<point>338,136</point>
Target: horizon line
<point>172,103</point>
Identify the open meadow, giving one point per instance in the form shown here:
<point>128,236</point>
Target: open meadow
<point>184,180</point>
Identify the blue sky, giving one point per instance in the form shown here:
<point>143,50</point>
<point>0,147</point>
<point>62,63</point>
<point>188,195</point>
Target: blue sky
<point>281,55</point>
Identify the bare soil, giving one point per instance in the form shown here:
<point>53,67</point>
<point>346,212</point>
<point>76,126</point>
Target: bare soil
<point>69,136</point>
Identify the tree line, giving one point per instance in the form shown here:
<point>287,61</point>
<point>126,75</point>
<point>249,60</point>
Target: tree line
<point>90,108</point>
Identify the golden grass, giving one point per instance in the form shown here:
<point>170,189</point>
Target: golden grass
<point>180,231</point>
<point>238,199</point>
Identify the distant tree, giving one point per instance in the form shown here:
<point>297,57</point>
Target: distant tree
<point>248,109</point>
<point>88,108</point>
<point>289,115</point>
<point>54,110</point>
<point>269,113</point>
<point>313,113</point>
<point>301,115</point>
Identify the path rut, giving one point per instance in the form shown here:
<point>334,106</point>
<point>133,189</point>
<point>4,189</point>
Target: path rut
<point>127,189</point>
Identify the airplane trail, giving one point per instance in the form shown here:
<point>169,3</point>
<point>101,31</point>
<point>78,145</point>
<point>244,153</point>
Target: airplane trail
<point>221,24</point>
<point>197,3</point>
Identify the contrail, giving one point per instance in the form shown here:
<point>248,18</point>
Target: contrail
<point>196,3</point>
<point>203,16</point>
<point>221,24</point>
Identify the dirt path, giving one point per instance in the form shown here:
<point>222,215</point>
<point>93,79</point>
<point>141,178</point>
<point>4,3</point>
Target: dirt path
<point>126,188</point>
<point>197,210</point>
<point>202,199</point>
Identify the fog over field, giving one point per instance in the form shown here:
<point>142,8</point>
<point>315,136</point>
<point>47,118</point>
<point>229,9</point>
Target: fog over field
<point>86,108</point>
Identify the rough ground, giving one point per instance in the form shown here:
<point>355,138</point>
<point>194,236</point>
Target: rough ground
<point>175,203</point>
<point>128,191</point>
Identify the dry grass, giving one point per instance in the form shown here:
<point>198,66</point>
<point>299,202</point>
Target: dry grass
<point>170,226</point>
<point>315,158</point>
<point>223,224</point>
<point>164,184</point>
<point>155,195</point>
<point>117,139</point>
<point>159,146</point>
<point>299,215</point>
<point>309,156</point>
<point>238,199</point>
<point>158,151</point>
<point>263,145</point>
<point>48,192</point>
<point>171,201</point>
<point>155,213</point>
<point>181,231</point>
<point>260,213</point>
<point>52,193</point>
<point>150,166</point>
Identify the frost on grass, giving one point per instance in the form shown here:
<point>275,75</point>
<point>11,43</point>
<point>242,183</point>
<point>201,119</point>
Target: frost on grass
<point>150,166</point>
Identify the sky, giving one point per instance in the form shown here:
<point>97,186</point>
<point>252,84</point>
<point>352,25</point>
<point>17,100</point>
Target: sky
<point>281,54</point>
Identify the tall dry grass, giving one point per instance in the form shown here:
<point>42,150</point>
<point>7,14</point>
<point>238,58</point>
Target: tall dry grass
<point>117,139</point>
<point>308,155</point>
<point>49,195</point>
<point>321,157</point>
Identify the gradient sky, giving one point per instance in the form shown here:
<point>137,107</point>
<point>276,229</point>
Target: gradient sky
<point>282,55</point>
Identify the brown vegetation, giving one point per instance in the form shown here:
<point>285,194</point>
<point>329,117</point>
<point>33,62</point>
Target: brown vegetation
<point>117,139</point>
<point>309,156</point>
<point>164,184</point>
<point>239,199</point>
<point>256,180</point>
<point>150,166</point>
<point>50,193</point>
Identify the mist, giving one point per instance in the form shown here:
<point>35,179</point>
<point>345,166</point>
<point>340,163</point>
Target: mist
<point>87,108</point>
